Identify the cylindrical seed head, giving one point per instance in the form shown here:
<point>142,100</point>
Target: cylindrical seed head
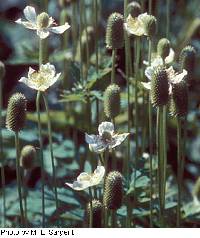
<point>134,9</point>
<point>163,47</point>
<point>43,20</point>
<point>97,213</point>
<point>179,99</point>
<point>28,157</point>
<point>2,70</point>
<point>115,31</point>
<point>159,87</point>
<point>16,112</point>
<point>113,191</point>
<point>150,25</point>
<point>112,101</point>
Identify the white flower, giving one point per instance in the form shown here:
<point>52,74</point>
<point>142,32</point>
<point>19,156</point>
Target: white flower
<point>34,23</point>
<point>136,26</point>
<point>85,180</point>
<point>106,138</point>
<point>41,80</point>
<point>173,77</point>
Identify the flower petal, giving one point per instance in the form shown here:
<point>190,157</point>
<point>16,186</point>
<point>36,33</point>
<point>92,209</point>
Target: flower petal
<point>170,58</point>
<point>134,26</point>
<point>59,29</point>
<point>106,126</point>
<point>118,139</point>
<point>91,139</point>
<point>78,186</point>
<point>98,148</point>
<point>98,175</point>
<point>83,177</point>
<point>43,33</point>
<point>27,24</point>
<point>30,14</point>
<point>146,85</point>
<point>149,71</point>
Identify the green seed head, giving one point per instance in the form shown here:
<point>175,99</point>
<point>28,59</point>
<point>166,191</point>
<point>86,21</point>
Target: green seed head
<point>115,31</point>
<point>187,61</point>
<point>112,101</point>
<point>163,47</point>
<point>97,213</point>
<point>150,25</point>
<point>134,9</point>
<point>179,99</point>
<point>16,112</point>
<point>43,20</point>
<point>159,87</point>
<point>113,191</point>
<point>2,70</point>
<point>28,157</point>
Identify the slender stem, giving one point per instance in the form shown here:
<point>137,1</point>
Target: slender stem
<point>96,34</point>
<point>164,150</point>
<point>150,6</point>
<point>168,19</point>
<point>80,38</point>
<point>41,155</point>
<point>113,218</point>
<point>19,183</point>
<point>3,195</point>
<point>179,171</point>
<point>24,194</point>
<point>74,26</point>
<point>91,209</point>
<point>113,66</point>
<point>51,149</point>
<point>150,142</point>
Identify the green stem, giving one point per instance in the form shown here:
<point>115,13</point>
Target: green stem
<point>150,6</point>
<point>113,218</point>
<point>179,171</point>
<point>96,34</point>
<point>168,19</point>
<point>3,195</point>
<point>25,195</point>
<point>91,209</point>
<point>41,155</point>
<point>80,38</point>
<point>164,150</point>
<point>114,51</point>
<point>74,26</point>
<point>150,142</point>
<point>19,183</point>
<point>51,149</point>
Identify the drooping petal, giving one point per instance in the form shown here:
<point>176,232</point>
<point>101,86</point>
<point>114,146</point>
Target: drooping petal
<point>98,147</point>
<point>23,80</point>
<point>179,77</point>
<point>43,33</point>
<point>118,139</point>
<point>170,58</point>
<point>83,177</point>
<point>146,85</point>
<point>59,29</point>
<point>106,126</point>
<point>134,26</point>
<point>27,24</point>
<point>149,71</point>
<point>91,139</point>
<point>98,175</point>
<point>78,186</point>
<point>30,14</point>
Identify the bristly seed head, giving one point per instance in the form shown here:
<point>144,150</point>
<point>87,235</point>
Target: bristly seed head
<point>16,112</point>
<point>150,25</point>
<point>159,87</point>
<point>115,31</point>
<point>97,213</point>
<point>28,157</point>
<point>43,20</point>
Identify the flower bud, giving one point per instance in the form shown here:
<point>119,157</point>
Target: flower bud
<point>163,48</point>
<point>115,31</point>
<point>134,9</point>
<point>179,99</point>
<point>2,70</point>
<point>150,23</point>
<point>159,87</point>
<point>187,61</point>
<point>97,213</point>
<point>16,112</point>
<point>43,20</point>
<point>113,191</point>
<point>28,157</point>
<point>112,101</point>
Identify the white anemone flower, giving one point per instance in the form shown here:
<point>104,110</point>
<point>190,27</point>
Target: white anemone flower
<point>107,139</point>
<point>136,25</point>
<point>85,180</point>
<point>41,80</point>
<point>42,23</point>
<point>173,76</point>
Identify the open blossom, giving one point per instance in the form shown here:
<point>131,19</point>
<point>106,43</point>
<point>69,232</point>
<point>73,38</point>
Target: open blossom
<point>85,180</point>
<point>173,77</point>
<point>107,139</point>
<point>136,25</point>
<point>41,80</point>
<point>41,23</point>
